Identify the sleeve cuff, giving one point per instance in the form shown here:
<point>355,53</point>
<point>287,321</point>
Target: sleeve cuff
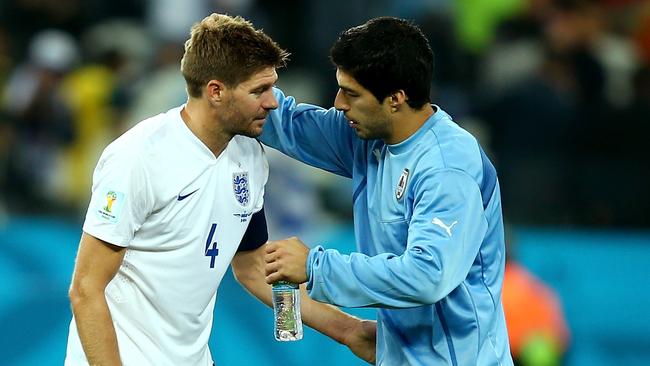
<point>108,238</point>
<point>312,261</point>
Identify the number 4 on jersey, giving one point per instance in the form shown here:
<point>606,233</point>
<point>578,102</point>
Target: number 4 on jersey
<point>211,247</point>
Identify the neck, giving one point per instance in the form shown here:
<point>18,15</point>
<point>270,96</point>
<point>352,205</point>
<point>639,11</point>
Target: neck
<point>407,121</point>
<point>202,120</point>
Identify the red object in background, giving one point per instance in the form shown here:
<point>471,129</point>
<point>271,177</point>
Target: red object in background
<point>642,37</point>
<point>532,310</point>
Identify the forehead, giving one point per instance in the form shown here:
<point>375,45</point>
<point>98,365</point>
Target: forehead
<point>266,76</point>
<point>347,81</point>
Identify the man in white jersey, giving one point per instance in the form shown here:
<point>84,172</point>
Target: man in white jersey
<point>174,201</point>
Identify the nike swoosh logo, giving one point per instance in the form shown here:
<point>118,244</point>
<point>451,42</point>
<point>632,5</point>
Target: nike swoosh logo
<point>182,197</point>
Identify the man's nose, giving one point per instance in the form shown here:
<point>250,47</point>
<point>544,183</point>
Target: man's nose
<point>270,102</point>
<point>340,103</point>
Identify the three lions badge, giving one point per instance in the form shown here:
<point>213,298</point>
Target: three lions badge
<point>241,188</point>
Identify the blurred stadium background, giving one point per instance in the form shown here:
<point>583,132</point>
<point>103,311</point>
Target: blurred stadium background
<point>558,92</point>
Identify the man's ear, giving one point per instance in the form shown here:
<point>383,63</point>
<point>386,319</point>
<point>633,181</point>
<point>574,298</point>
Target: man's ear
<point>214,90</point>
<point>396,100</point>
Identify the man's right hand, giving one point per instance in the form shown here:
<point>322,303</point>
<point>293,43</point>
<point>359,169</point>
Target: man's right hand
<point>362,340</point>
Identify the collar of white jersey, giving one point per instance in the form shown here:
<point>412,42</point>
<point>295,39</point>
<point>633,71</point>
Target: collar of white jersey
<point>185,134</point>
<point>406,145</point>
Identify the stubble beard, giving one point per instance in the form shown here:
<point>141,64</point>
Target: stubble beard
<point>376,133</point>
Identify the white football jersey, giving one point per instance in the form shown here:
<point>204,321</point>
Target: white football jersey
<point>181,213</point>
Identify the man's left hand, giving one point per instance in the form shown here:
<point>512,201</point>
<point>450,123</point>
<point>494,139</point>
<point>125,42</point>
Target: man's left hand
<point>286,260</point>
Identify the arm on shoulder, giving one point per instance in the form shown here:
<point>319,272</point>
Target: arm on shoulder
<point>96,265</point>
<point>311,134</point>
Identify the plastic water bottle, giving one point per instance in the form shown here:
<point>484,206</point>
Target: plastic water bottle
<point>286,311</point>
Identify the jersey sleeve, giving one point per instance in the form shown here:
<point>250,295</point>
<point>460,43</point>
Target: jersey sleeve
<point>444,236</point>
<point>262,166</point>
<point>256,234</point>
<point>314,135</point>
<point>121,198</point>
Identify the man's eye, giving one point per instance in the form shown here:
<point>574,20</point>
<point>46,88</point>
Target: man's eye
<point>260,91</point>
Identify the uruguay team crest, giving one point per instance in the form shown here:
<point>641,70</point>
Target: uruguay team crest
<point>241,188</point>
<point>401,184</point>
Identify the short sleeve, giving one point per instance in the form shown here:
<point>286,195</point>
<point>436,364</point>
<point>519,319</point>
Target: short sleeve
<point>121,198</point>
<point>262,165</point>
<point>256,234</point>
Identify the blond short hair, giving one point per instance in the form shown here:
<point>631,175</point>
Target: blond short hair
<point>228,49</point>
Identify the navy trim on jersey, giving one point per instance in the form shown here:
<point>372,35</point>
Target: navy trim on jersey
<point>256,234</point>
<point>360,188</point>
<point>398,332</point>
<point>445,329</point>
<point>489,178</point>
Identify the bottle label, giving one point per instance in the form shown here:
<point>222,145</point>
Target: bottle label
<point>284,286</point>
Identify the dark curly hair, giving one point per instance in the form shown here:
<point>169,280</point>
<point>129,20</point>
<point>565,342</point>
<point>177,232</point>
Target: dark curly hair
<point>387,54</point>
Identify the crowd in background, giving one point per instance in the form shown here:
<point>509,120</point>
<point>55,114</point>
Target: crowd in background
<point>558,92</point>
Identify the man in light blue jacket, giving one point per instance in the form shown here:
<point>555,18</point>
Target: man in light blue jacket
<point>427,207</point>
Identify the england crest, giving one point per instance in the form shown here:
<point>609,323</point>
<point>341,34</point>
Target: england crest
<point>240,187</point>
<point>401,184</point>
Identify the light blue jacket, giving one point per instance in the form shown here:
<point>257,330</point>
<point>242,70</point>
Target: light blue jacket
<point>428,228</point>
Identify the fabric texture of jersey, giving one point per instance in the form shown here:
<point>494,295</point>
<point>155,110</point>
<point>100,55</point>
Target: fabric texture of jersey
<point>428,228</point>
<point>181,212</point>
